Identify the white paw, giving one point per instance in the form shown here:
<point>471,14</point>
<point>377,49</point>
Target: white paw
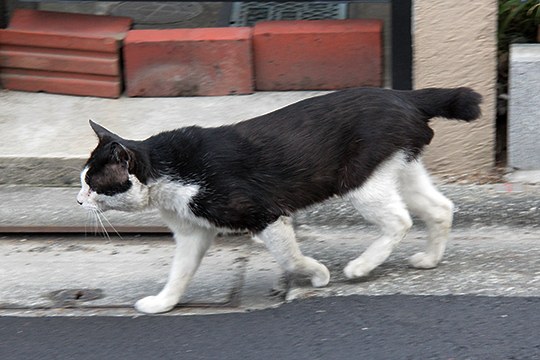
<point>423,260</point>
<point>321,277</point>
<point>356,269</point>
<point>153,305</point>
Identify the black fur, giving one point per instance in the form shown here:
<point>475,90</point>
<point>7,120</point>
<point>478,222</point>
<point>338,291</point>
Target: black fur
<point>253,172</point>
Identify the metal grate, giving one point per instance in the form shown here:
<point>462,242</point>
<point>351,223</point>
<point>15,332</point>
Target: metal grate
<point>249,13</point>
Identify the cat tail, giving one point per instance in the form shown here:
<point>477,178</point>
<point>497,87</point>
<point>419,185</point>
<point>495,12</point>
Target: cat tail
<point>461,103</point>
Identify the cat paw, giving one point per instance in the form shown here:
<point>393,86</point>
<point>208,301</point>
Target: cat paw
<point>423,260</point>
<point>153,305</point>
<point>356,269</point>
<point>321,278</point>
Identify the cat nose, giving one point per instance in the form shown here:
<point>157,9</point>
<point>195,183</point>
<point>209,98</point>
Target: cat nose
<point>78,202</point>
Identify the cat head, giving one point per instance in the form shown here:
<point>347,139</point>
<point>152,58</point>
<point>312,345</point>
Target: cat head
<point>113,177</point>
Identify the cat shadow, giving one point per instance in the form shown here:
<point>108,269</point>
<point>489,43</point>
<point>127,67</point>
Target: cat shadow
<point>338,278</point>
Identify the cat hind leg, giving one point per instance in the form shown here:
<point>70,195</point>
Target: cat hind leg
<point>379,202</point>
<point>280,240</point>
<point>433,208</point>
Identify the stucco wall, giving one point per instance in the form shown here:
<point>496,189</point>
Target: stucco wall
<point>454,44</point>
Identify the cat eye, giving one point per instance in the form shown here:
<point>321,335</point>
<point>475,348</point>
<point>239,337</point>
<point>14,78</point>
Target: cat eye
<point>113,189</point>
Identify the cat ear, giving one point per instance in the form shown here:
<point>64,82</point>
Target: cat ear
<point>121,154</point>
<point>101,132</point>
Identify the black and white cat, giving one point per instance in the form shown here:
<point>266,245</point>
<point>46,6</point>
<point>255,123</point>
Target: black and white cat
<point>363,144</point>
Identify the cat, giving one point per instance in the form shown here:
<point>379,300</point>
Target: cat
<point>363,144</point>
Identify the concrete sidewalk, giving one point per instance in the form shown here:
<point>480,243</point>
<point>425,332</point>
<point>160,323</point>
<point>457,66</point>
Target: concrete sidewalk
<point>44,140</point>
<point>495,250</point>
<point>85,276</point>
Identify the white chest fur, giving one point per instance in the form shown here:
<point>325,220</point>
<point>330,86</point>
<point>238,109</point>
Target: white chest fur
<point>173,199</point>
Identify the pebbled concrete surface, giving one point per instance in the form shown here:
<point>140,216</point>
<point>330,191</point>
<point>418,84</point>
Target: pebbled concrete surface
<point>239,275</point>
<point>121,271</point>
<point>492,261</point>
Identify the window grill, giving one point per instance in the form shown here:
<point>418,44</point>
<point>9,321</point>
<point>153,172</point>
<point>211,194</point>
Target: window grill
<point>249,13</point>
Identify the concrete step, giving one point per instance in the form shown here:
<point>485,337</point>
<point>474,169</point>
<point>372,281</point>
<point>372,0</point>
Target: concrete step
<point>45,138</point>
<point>34,209</point>
<point>27,209</point>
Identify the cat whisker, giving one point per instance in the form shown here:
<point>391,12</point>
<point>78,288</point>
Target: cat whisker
<point>100,223</point>
<point>86,224</point>
<point>91,222</point>
<point>111,225</point>
<point>103,227</point>
<point>73,168</point>
<point>95,223</point>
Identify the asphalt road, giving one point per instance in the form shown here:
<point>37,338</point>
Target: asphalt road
<point>355,327</point>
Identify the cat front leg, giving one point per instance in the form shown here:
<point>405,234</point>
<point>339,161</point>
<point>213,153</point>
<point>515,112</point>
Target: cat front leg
<point>192,242</point>
<point>280,240</point>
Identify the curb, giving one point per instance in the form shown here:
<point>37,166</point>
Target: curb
<point>476,206</point>
<point>52,172</point>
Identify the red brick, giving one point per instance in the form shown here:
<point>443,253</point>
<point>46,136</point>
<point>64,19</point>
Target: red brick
<point>317,54</point>
<point>188,62</point>
<point>25,57</point>
<point>61,83</point>
<point>63,53</point>
<point>58,41</point>
<point>83,25</point>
